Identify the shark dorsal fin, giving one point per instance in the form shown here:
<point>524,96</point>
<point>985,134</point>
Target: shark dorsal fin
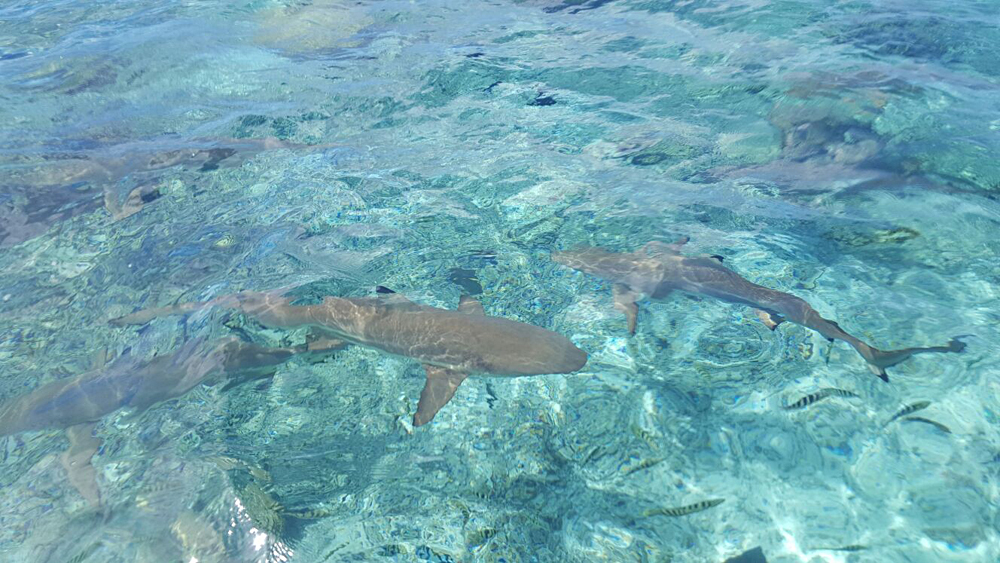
<point>387,296</point>
<point>439,389</point>
<point>654,248</point>
<point>470,305</point>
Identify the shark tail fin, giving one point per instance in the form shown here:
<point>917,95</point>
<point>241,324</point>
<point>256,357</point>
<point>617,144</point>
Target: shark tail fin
<point>878,360</point>
<point>439,389</point>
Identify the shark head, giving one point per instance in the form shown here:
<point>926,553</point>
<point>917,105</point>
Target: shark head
<point>206,159</point>
<point>633,268</point>
<point>532,351</point>
<point>586,259</point>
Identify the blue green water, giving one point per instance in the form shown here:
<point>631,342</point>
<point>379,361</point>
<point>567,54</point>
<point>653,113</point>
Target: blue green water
<point>845,152</point>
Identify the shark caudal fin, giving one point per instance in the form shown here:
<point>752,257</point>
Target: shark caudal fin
<point>878,360</point>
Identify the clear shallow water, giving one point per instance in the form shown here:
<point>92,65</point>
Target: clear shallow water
<point>844,153</point>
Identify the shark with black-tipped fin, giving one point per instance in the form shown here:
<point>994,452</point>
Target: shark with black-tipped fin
<point>658,269</point>
<point>75,404</point>
<point>451,345</point>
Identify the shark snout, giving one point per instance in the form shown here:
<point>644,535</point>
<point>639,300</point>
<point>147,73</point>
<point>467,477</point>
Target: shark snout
<point>558,256</point>
<point>572,359</point>
<point>564,257</point>
<point>585,259</point>
<point>554,354</point>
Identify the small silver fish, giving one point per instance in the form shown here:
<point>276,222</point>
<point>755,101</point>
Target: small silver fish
<point>225,241</point>
<point>933,423</point>
<point>819,396</point>
<point>909,409</point>
<point>685,510</point>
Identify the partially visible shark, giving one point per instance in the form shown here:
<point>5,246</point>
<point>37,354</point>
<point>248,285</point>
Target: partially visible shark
<point>76,404</point>
<point>40,189</point>
<point>451,345</point>
<point>658,269</point>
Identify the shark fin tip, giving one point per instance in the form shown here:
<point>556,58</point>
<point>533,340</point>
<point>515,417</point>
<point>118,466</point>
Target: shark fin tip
<point>383,290</point>
<point>879,371</point>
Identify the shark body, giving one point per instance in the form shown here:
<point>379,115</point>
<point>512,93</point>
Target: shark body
<point>659,269</point>
<point>451,345</point>
<point>76,404</point>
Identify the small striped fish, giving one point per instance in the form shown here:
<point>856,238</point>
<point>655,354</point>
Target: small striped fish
<point>685,510</point>
<point>642,464</point>
<point>933,423</point>
<point>844,548</point>
<point>909,409</point>
<point>819,396</point>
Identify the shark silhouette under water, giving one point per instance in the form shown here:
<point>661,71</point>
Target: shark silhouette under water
<point>77,403</point>
<point>451,345</point>
<point>658,269</point>
<point>40,189</point>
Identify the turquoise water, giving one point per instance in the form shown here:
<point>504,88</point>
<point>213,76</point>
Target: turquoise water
<point>161,152</point>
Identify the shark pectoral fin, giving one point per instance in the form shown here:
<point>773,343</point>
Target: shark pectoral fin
<point>770,320</point>
<point>133,205</point>
<point>76,460</point>
<point>625,298</point>
<point>470,305</point>
<point>439,389</point>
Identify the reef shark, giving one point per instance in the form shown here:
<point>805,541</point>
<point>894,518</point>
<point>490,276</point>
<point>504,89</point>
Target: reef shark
<point>451,345</point>
<point>658,269</point>
<point>40,189</point>
<point>76,404</point>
